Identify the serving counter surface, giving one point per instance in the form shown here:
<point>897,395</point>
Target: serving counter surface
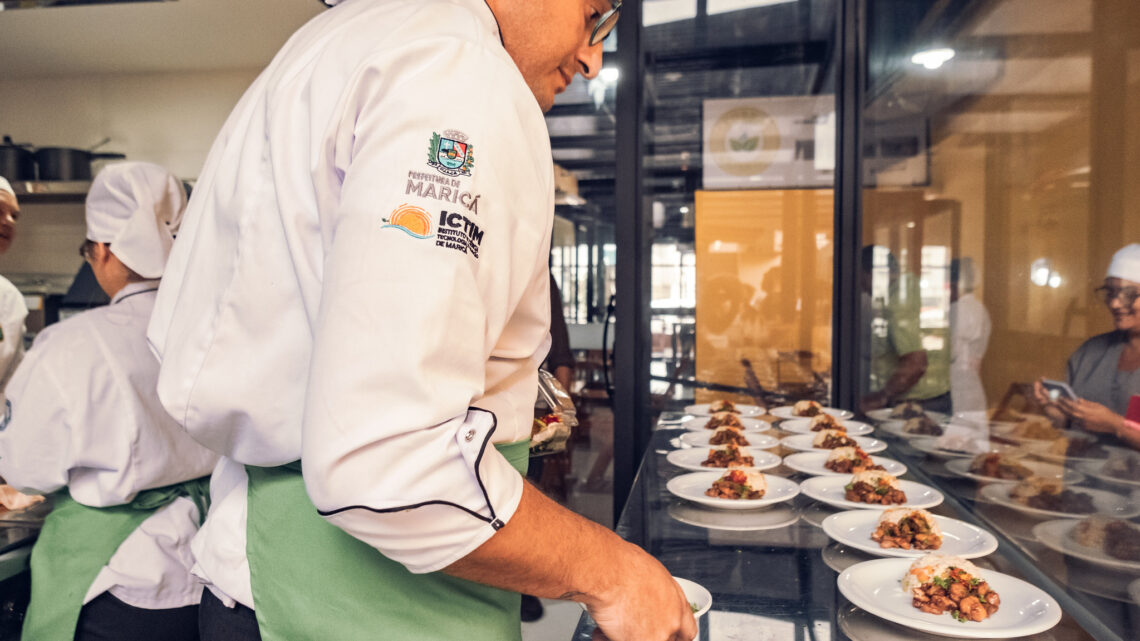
<point>773,572</point>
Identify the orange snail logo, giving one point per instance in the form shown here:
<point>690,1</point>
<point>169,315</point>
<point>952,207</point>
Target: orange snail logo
<point>411,220</point>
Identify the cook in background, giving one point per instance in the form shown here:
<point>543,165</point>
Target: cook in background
<point>13,310</point>
<point>1105,370</point>
<point>970,329</point>
<point>361,286</point>
<point>896,367</point>
<point>113,559</point>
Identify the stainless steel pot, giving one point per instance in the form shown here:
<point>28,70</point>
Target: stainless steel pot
<point>17,162</point>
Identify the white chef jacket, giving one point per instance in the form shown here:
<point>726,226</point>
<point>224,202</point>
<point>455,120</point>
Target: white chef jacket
<point>13,313</point>
<point>360,282</point>
<point>970,329</point>
<point>85,415</point>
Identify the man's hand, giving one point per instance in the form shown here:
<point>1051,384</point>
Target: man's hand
<point>645,604</point>
<point>1094,416</point>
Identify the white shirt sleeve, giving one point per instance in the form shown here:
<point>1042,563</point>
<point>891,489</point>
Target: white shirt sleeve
<point>394,450</point>
<point>35,445</point>
<point>13,314</point>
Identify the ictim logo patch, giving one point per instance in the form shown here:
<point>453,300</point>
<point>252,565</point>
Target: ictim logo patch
<point>451,154</point>
<point>411,220</point>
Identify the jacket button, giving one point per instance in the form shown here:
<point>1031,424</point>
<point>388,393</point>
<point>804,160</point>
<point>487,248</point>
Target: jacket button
<point>469,436</point>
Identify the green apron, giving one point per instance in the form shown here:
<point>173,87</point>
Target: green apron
<point>313,582</point>
<point>76,542</point>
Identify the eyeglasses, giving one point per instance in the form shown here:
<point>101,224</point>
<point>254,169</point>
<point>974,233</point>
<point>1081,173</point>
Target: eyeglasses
<point>1127,295</point>
<point>606,23</point>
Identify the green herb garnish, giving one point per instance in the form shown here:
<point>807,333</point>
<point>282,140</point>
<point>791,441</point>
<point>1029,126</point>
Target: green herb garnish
<point>694,607</point>
<point>941,582</point>
<point>882,489</point>
<point>848,486</point>
<point>957,614</point>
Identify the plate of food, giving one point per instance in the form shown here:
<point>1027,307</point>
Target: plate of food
<point>1122,469</point>
<point>871,489</point>
<point>842,461</point>
<point>913,427</point>
<point>808,409</point>
<point>733,520</point>
<point>1003,468</point>
<point>1029,428</point>
<point>1047,498</point>
<point>949,596</point>
<point>940,447</point>
<point>736,489</point>
<point>825,422</point>
<point>727,435</point>
<point>1098,539</point>
<point>722,457</point>
<point>724,419</point>
<point>908,532</point>
<point>715,407</point>
<point>1073,447</point>
<point>831,439</point>
<point>906,410</point>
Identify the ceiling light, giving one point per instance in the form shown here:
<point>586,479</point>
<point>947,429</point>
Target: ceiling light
<point>932,58</point>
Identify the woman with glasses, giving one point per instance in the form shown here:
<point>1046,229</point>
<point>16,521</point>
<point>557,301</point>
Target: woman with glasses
<point>113,559</point>
<point>1105,371</point>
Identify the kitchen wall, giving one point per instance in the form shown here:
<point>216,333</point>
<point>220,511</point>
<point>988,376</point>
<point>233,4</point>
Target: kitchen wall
<point>166,118</point>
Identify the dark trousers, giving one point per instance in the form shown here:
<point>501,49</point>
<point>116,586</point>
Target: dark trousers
<point>219,623</point>
<point>106,618</point>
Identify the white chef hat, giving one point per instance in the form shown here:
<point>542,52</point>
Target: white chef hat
<point>136,207</point>
<point>6,186</point>
<point>1126,264</point>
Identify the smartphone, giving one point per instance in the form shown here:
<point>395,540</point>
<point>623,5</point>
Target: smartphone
<point>1057,390</point>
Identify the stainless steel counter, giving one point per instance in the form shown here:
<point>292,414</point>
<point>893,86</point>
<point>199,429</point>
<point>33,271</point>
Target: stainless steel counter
<point>779,584</point>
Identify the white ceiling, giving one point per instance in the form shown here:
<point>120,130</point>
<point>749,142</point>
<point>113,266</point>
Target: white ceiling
<point>187,35</point>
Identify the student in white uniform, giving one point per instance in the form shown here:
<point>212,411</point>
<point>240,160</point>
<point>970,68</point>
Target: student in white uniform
<point>113,560</point>
<point>13,310</point>
<point>360,291</point>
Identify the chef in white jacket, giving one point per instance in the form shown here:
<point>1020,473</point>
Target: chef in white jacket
<point>13,310</point>
<point>359,295</point>
<point>113,560</point>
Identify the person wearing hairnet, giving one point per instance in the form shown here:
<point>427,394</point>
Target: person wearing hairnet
<point>13,310</point>
<point>113,559</point>
<point>1105,370</point>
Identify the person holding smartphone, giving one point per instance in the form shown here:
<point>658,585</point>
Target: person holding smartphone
<point>1104,372</point>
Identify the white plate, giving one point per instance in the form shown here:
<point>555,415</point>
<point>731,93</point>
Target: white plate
<point>854,528</point>
<point>884,414</point>
<point>756,440</point>
<point>831,490</point>
<point>1105,503</point>
<point>733,520</point>
<point>1057,535</point>
<point>692,486</point>
<point>928,445</point>
<point>876,587</point>
<point>803,426</point>
<point>961,467</point>
<point>691,459</point>
<point>787,411</point>
<point>1095,469</point>
<point>743,410</point>
<point>1043,441</point>
<point>812,463</point>
<point>697,424</point>
<point>802,442</point>
<point>1038,449</point>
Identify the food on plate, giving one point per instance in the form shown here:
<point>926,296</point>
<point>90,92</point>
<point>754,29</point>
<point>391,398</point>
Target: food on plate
<point>731,456</point>
<point>939,584</point>
<point>724,419</point>
<point>14,500</point>
<point>1050,494</point>
<point>999,466</point>
<point>807,408</point>
<point>849,460</point>
<point>1035,428</point>
<point>826,422</point>
<point>723,406</point>
<point>831,439</point>
<point>1125,467</point>
<point>922,425</point>
<point>726,436</point>
<point>875,487</point>
<point>548,434</point>
<point>739,484</point>
<point>1078,446</point>
<point>907,409</point>
<point>907,529</point>
<point>1115,537</point>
